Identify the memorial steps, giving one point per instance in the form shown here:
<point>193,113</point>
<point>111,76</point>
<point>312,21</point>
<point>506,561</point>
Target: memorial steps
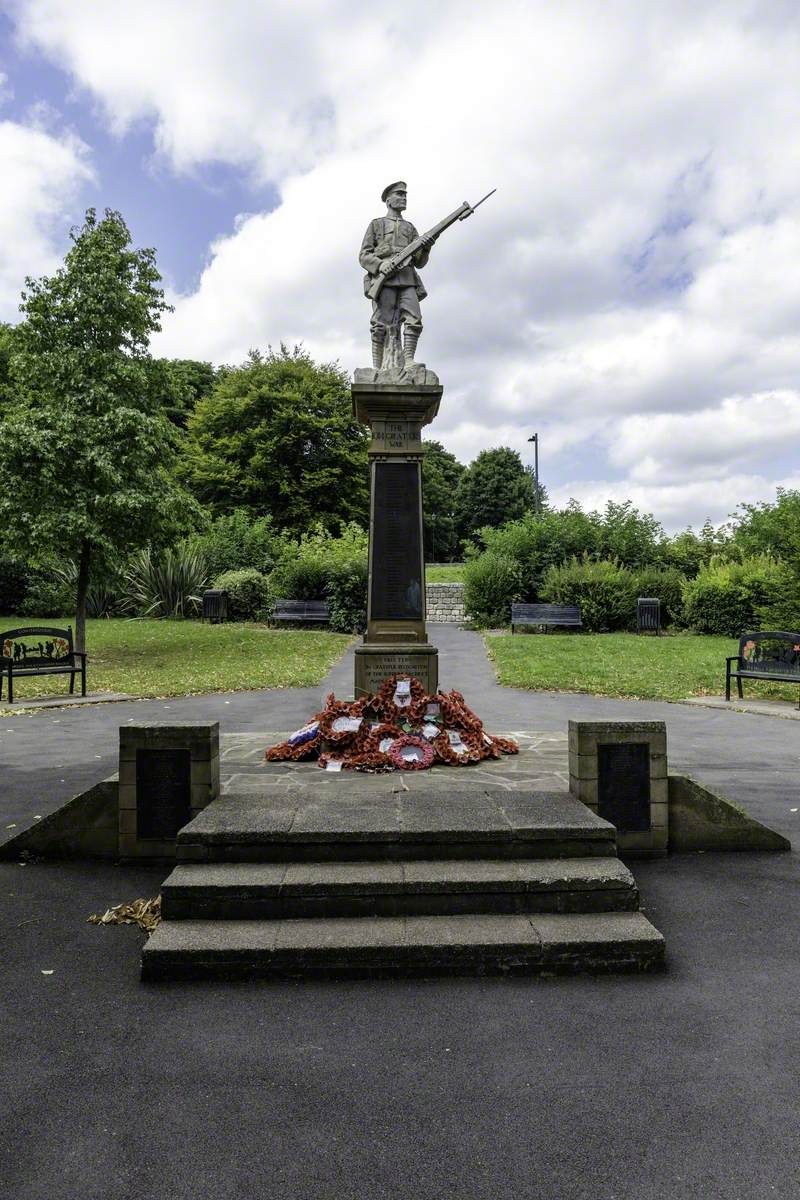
<point>416,884</point>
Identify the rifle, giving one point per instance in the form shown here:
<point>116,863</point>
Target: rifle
<point>401,258</point>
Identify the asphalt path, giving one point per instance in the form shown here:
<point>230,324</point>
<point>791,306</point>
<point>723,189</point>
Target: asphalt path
<point>674,1086</point>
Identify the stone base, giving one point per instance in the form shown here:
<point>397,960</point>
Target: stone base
<point>375,664</point>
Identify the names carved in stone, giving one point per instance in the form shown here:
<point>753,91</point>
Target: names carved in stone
<point>396,584</point>
<point>163,792</point>
<point>623,785</point>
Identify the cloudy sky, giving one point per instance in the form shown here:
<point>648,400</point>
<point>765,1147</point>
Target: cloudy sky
<point>632,292</point>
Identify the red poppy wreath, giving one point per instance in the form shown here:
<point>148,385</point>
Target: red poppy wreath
<point>411,754</point>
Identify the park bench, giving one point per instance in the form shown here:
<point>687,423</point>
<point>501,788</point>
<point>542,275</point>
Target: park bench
<point>316,612</point>
<point>773,656</point>
<point>40,650</point>
<point>557,616</point>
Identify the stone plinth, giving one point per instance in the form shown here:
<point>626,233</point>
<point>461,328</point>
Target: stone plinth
<point>167,775</point>
<point>619,770</point>
<point>396,640</point>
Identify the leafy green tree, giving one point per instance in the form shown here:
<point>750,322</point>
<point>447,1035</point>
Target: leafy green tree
<point>277,437</point>
<point>772,529</point>
<point>84,474</point>
<point>441,473</point>
<point>629,536</point>
<point>178,383</point>
<point>7,343</point>
<point>495,488</point>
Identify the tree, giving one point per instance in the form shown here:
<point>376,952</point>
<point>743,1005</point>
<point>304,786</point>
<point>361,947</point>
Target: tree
<point>277,437</point>
<point>629,536</point>
<point>86,449</point>
<point>441,472</point>
<point>7,343</point>
<point>772,529</point>
<point>178,383</point>
<point>495,488</point>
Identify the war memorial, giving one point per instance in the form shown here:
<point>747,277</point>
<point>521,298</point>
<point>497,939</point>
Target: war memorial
<point>427,844</point>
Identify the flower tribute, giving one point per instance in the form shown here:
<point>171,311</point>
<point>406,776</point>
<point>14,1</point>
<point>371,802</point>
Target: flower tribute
<point>400,728</point>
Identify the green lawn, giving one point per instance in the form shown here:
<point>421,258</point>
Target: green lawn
<point>178,658</point>
<point>449,573</point>
<point>622,664</point>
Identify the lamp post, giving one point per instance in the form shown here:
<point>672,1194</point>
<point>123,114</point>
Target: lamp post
<point>535,440</point>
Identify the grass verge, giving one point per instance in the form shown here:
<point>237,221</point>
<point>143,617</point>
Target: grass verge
<point>449,573</point>
<point>622,664</point>
<point>179,658</point>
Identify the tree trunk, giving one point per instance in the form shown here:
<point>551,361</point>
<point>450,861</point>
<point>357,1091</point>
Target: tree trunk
<point>80,603</point>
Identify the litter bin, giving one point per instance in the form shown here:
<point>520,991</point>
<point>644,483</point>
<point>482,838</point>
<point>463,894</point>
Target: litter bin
<point>215,605</point>
<point>648,615</point>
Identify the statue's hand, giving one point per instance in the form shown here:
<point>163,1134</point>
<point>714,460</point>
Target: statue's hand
<point>385,267</point>
<point>427,241</point>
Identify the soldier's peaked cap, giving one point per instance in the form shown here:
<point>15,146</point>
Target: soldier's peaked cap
<point>398,183</point>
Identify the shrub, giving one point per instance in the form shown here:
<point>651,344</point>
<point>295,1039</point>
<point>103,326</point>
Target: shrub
<point>13,584</point>
<point>783,610</point>
<point>346,591</point>
<point>48,594</point>
<point>248,594</point>
<point>492,582</point>
<point>303,578</point>
<point>728,598</point>
<point>165,585</point>
<point>238,540</point>
<point>665,583</point>
<point>605,592</point>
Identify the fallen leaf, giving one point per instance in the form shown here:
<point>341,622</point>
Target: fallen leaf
<point>144,913</point>
<point>47,972</point>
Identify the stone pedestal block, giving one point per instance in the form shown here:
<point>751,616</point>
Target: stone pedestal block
<point>396,640</point>
<point>619,770</point>
<point>167,774</point>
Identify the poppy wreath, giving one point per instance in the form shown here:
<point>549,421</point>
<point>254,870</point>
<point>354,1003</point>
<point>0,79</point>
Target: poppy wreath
<point>397,712</point>
<point>411,764</point>
<point>445,753</point>
<point>284,752</point>
<point>327,757</point>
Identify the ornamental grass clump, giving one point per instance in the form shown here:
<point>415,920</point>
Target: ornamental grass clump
<point>169,584</point>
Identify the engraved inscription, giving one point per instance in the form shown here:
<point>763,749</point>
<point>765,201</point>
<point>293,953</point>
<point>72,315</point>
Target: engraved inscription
<point>163,792</point>
<point>623,785</point>
<point>396,435</point>
<point>397,550</point>
<point>377,669</point>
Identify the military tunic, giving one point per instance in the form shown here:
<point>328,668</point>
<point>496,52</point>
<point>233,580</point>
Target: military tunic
<point>402,292</point>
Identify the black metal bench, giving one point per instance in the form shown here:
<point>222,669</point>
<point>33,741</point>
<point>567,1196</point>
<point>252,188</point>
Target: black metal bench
<point>40,650</point>
<point>316,612</point>
<point>545,616</point>
<point>773,656</point>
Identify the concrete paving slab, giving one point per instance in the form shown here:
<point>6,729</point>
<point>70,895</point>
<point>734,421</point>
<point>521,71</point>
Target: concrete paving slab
<point>785,709</point>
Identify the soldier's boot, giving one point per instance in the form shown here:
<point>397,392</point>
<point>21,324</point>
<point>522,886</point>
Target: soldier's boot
<point>410,339</point>
<point>377,350</point>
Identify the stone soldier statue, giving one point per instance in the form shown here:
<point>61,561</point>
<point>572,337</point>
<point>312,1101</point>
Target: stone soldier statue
<point>398,301</point>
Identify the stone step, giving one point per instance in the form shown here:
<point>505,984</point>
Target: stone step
<point>396,946</point>
<point>494,824</point>
<point>248,891</point>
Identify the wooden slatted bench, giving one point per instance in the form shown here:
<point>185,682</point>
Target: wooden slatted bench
<point>772,656</point>
<point>546,616</point>
<point>316,612</point>
<point>40,650</point>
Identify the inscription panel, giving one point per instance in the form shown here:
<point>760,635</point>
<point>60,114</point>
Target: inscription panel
<point>163,792</point>
<point>623,785</point>
<point>396,436</point>
<point>377,668</point>
<point>396,548</point>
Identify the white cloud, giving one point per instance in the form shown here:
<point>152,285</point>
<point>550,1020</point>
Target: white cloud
<point>43,172</point>
<point>635,269</point>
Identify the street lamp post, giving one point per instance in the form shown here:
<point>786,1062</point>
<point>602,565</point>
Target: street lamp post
<point>535,440</point>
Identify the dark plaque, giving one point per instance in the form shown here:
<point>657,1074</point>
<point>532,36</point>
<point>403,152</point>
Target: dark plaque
<point>396,550</point>
<point>163,792</point>
<point>623,785</point>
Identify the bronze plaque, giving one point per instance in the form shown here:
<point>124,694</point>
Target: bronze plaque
<point>396,544</point>
<point>163,792</point>
<point>623,785</point>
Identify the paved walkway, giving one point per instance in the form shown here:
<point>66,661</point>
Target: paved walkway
<point>668,1087</point>
<point>49,755</point>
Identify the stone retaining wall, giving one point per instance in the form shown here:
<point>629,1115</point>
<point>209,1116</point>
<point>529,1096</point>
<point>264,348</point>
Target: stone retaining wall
<point>445,602</point>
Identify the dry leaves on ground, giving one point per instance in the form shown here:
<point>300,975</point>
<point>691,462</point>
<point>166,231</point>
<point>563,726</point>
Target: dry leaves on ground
<point>144,913</point>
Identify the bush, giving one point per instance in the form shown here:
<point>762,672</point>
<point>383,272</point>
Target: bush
<point>236,541</point>
<point>165,585</point>
<point>665,583</point>
<point>48,594</point>
<point>729,598</point>
<point>783,610</point>
<point>605,592</point>
<point>248,594</point>
<point>13,584</point>
<point>346,591</point>
<point>492,582</point>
